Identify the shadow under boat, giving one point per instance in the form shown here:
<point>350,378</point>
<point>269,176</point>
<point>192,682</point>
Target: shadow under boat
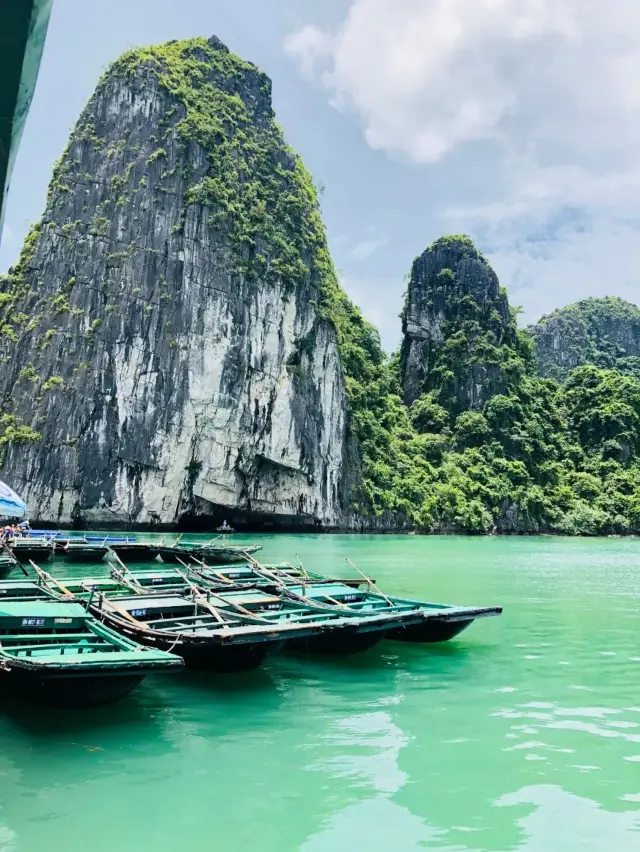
<point>55,652</point>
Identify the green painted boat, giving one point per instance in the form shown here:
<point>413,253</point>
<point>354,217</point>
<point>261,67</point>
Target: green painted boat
<point>206,636</point>
<point>214,554</point>
<point>84,551</point>
<point>23,589</point>
<point>344,630</point>
<point>135,551</point>
<point>57,653</point>
<point>27,549</point>
<point>439,622</point>
<point>7,562</point>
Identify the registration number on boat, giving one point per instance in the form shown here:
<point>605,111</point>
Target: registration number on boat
<point>136,613</point>
<point>33,622</point>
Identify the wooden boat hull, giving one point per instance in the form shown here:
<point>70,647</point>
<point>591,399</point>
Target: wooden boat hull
<point>211,557</point>
<point>441,628</point>
<point>6,569</point>
<point>224,659</point>
<point>73,690</point>
<point>339,643</point>
<point>203,655</point>
<point>429,631</point>
<point>85,556</point>
<point>134,553</point>
<point>37,554</point>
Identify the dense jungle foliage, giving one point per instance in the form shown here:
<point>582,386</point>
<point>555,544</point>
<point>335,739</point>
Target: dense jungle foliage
<point>539,456</point>
<point>483,442</point>
<point>604,332</point>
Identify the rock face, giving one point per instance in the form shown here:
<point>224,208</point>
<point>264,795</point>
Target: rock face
<point>161,332</point>
<point>456,323</point>
<point>604,332</point>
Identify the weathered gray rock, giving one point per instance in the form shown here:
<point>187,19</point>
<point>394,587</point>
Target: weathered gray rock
<point>455,321</point>
<point>166,376</point>
<point>604,332</point>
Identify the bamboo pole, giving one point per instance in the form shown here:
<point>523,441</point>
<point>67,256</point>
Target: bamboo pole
<point>44,575</point>
<point>104,601</point>
<point>371,582</point>
<point>237,606</point>
<point>202,564</point>
<point>199,599</point>
<point>122,578</point>
<point>16,561</point>
<point>302,568</point>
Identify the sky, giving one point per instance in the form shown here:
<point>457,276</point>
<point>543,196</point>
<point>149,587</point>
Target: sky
<point>514,121</point>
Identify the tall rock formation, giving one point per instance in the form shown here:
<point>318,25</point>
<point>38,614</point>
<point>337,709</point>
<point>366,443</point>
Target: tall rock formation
<point>167,334</point>
<point>457,328</point>
<point>604,332</point>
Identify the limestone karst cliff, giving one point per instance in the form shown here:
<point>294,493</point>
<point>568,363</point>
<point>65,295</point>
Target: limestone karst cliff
<point>604,332</point>
<point>175,347</point>
<point>456,325</point>
<point>168,332</point>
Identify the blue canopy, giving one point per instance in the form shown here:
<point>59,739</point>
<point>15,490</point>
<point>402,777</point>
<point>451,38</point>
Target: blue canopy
<point>11,506</point>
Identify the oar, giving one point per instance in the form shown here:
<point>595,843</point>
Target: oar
<point>187,568</point>
<point>265,572</point>
<point>237,606</point>
<point>213,571</point>
<point>199,599</point>
<point>121,563</point>
<point>371,582</point>
<point>175,543</point>
<point>44,575</point>
<point>15,559</point>
<point>130,584</point>
<point>104,601</point>
<point>302,568</point>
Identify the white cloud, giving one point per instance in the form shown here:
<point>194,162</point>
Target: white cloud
<point>365,248</point>
<point>536,103</point>
<point>311,46</point>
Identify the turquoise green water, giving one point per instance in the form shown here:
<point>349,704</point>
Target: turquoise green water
<point>521,734</point>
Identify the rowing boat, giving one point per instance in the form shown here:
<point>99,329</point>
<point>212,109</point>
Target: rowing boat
<point>57,653</point>
<point>135,551</point>
<point>84,552</point>
<point>26,549</point>
<point>202,634</point>
<point>439,622</point>
<point>268,598</point>
<point>216,554</point>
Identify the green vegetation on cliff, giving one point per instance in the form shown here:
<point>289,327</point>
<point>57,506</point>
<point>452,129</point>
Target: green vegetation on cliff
<point>465,429</point>
<point>486,443</point>
<point>604,332</point>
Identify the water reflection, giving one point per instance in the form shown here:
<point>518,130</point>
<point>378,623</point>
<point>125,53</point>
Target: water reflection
<point>522,736</point>
<point>557,821</point>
